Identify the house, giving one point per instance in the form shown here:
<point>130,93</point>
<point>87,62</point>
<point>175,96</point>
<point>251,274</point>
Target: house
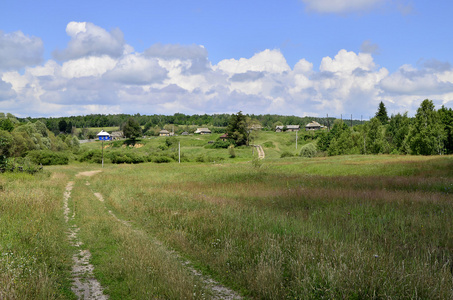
<point>279,128</point>
<point>203,131</point>
<point>116,135</point>
<point>313,125</point>
<point>224,137</point>
<point>164,132</point>
<point>185,133</point>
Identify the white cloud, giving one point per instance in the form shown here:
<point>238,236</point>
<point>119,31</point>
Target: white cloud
<point>170,78</point>
<point>341,6</point>
<point>6,91</point>
<point>18,50</point>
<point>88,39</point>
<point>271,61</point>
<point>136,69</point>
<point>88,66</point>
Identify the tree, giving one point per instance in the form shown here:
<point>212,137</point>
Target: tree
<point>428,135</point>
<point>237,129</point>
<point>381,114</point>
<point>132,129</point>
<point>62,126</point>
<point>446,118</point>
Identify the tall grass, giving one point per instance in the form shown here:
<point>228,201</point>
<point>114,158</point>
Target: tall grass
<point>35,257</point>
<point>301,229</point>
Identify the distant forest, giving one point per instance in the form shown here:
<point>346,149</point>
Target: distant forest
<point>65,124</point>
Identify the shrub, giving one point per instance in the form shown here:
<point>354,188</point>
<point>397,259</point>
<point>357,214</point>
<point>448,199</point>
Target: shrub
<point>286,154</point>
<point>47,157</point>
<point>219,145</point>
<point>120,157</point>
<point>308,150</point>
<point>94,156</point>
<point>231,151</point>
<point>162,159</point>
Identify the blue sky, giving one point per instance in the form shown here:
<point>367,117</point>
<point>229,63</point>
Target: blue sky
<point>301,57</point>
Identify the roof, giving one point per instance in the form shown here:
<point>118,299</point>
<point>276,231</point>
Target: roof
<point>288,126</point>
<point>103,133</point>
<point>200,130</point>
<point>313,124</point>
<point>225,135</point>
<point>164,131</point>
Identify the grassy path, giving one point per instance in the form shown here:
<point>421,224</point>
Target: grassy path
<point>85,285</point>
<point>201,286</point>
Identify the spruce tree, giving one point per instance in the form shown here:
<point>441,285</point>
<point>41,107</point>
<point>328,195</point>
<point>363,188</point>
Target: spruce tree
<point>381,114</point>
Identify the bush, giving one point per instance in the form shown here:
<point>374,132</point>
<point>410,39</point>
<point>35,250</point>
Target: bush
<point>308,150</point>
<point>94,156</point>
<point>119,157</point>
<point>219,145</point>
<point>231,151</point>
<point>162,159</point>
<point>47,157</point>
<point>286,154</point>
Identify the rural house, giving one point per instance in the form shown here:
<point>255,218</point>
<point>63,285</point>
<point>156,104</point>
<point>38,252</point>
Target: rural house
<point>224,137</point>
<point>116,135</point>
<point>313,126</point>
<point>279,128</point>
<point>164,132</point>
<point>203,131</point>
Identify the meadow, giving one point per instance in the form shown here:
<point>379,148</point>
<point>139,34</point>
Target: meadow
<point>354,227</point>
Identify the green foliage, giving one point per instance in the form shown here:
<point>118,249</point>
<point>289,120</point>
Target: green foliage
<point>428,136</point>
<point>446,118</point>
<point>162,159</point>
<point>286,154</point>
<point>231,151</point>
<point>219,144</point>
<point>93,156</point>
<point>171,141</point>
<point>132,129</point>
<point>125,157</point>
<point>381,114</point>
<point>308,150</point>
<point>237,129</point>
<point>47,157</point>
<point>6,124</point>
<point>269,144</point>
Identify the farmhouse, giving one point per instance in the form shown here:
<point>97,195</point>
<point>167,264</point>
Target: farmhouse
<point>116,135</point>
<point>313,126</point>
<point>164,132</point>
<point>279,128</point>
<point>203,131</point>
<point>224,137</point>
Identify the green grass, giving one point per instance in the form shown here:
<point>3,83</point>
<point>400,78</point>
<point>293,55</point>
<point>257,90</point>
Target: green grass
<point>288,231</point>
<point>35,258</point>
<point>355,227</point>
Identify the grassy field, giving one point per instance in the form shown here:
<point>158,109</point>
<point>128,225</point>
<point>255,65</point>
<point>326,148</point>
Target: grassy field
<point>354,227</point>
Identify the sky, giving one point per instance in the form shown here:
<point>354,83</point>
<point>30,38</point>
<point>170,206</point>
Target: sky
<point>288,57</point>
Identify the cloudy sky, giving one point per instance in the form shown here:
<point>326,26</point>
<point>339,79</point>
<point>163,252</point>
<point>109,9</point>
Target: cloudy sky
<point>289,57</point>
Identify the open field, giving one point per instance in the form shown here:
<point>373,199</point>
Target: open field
<point>354,227</point>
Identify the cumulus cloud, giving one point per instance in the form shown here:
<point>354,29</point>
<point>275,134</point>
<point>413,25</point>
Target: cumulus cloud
<point>88,39</point>
<point>6,91</point>
<point>170,78</point>
<point>271,61</point>
<point>368,47</point>
<point>136,69</point>
<point>341,6</point>
<point>18,50</point>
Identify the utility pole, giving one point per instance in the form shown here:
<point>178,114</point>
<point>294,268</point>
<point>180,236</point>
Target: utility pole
<point>179,151</point>
<point>351,120</point>
<point>296,139</point>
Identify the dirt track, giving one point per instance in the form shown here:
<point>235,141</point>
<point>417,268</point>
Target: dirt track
<point>86,286</point>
